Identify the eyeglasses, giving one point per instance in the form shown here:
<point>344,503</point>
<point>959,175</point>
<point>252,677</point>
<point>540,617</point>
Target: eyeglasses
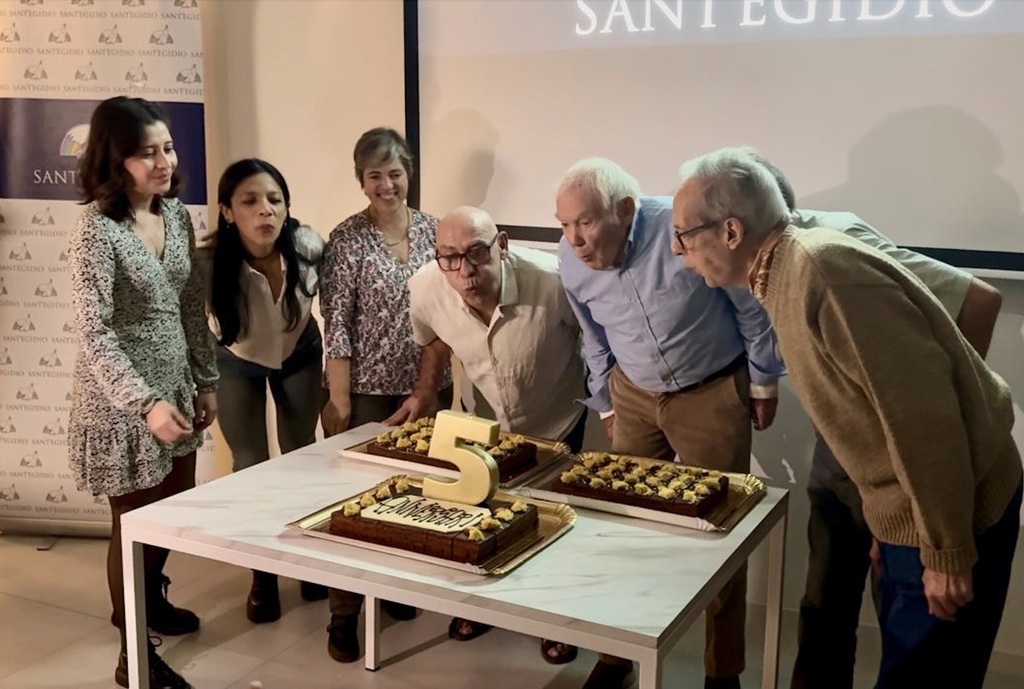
<point>710,224</point>
<point>477,256</point>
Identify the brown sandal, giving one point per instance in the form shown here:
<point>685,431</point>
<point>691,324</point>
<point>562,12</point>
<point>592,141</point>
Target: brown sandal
<point>557,653</point>
<point>477,629</point>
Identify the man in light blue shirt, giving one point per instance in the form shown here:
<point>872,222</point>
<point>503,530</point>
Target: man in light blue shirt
<point>676,367</point>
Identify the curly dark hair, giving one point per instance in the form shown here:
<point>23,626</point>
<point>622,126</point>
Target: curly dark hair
<point>116,132</point>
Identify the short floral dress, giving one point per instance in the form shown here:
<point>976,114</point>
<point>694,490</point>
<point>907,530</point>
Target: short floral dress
<point>142,336</point>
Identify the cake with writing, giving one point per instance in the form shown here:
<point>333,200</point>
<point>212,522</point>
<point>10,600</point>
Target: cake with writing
<point>396,514</point>
<point>513,454</point>
<point>651,483</point>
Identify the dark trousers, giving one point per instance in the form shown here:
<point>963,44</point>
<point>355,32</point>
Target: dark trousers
<point>575,437</point>
<point>368,409</point>
<point>919,650</point>
<point>181,478</point>
<point>838,563</point>
<point>242,400</point>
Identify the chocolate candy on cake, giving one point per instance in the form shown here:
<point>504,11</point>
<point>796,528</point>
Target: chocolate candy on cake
<point>649,483</point>
<point>396,514</point>
<point>411,442</point>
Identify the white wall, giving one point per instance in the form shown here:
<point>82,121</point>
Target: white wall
<point>296,82</point>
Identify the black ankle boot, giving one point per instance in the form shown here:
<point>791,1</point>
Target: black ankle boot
<point>399,611</point>
<point>264,602</point>
<point>311,591</point>
<point>343,638</point>
<point>161,676</point>
<point>164,618</point>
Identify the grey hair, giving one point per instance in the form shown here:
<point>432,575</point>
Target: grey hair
<point>737,184</point>
<point>788,194</point>
<point>605,177</point>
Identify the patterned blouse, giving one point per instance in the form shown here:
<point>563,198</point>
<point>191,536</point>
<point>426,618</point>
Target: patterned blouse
<point>364,299</point>
<point>141,328</point>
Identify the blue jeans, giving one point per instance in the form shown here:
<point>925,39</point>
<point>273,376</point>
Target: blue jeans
<point>919,650</point>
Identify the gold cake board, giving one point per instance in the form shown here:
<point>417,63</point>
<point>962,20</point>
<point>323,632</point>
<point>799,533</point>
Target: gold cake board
<point>555,519</point>
<point>745,491</point>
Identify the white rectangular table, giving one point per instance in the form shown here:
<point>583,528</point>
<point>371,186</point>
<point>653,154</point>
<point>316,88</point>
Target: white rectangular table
<point>612,584</point>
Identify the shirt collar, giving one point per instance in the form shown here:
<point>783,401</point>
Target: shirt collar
<point>761,268</point>
<point>632,236</point>
<point>252,272</point>
<point>509,295</point>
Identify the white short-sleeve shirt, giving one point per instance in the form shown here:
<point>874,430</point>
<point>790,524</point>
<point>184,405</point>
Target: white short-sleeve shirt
<point>525,365</point>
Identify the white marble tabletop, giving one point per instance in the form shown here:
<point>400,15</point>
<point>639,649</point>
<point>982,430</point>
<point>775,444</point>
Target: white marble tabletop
<point>615,577</point>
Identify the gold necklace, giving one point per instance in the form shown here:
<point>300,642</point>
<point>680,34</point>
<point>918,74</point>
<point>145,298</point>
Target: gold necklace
<point>405,235</point>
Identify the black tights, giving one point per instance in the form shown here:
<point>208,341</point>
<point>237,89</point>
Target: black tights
<point>181,478</point>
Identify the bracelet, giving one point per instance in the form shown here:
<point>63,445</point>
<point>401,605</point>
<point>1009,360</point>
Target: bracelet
<point>149,404</point>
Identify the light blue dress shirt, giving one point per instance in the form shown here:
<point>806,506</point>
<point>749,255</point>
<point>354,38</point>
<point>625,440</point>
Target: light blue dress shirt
<point>663,326</point>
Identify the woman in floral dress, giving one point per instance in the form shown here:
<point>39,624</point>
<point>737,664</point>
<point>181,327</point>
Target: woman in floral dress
<point>145,376</point>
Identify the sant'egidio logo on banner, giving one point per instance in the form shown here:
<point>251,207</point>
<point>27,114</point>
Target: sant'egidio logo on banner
<point>73,143</point>
<point>40,161</point>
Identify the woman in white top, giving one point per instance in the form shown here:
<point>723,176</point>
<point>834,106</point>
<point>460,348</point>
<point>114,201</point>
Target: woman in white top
<point>265,272</point>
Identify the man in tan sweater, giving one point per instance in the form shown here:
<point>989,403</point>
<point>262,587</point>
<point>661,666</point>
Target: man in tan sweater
<point>913,414</point>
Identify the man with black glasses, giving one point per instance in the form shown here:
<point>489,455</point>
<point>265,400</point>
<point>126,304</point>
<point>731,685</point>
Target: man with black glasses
<point>502,311</point>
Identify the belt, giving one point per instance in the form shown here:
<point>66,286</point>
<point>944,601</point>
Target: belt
<point>730,368</point>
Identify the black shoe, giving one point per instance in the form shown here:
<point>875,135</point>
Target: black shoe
<point>161,676</point>
<point>609,676</point>
<point>343,638</point>
<point>164,618</point>
<point>722,682</point>
<point>311,592</point>
<point>264,603</point>
<point>399,611</point>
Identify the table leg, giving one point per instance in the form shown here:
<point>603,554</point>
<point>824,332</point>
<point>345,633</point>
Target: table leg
<point>773,612</point>
<point>650,670</point>
<point>372,633</point>
<point>135,610</point>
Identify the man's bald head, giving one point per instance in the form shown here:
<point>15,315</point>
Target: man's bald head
<point>463,226</point>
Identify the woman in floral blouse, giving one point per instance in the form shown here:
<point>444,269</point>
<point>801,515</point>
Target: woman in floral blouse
<point>372,361</point>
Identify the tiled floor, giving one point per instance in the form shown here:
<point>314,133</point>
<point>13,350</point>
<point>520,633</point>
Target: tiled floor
<point>55,633</point>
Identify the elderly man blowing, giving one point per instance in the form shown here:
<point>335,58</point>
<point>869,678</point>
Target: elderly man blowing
<point>911,411</point>
<point>674,364</point>
<point>503,313</point>
<point>839,541</point>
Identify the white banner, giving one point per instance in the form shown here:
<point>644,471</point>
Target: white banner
<point>58,59</point>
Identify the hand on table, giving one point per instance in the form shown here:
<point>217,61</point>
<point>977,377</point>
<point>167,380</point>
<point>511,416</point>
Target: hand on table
<point>415,406</point>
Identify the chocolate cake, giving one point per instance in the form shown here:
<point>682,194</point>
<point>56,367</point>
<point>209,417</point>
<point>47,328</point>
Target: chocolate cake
<point>411,442</point>
<point>396,514</point>
<point>649,483</point>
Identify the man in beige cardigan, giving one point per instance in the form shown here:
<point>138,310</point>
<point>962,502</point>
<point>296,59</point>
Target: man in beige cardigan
<point>913,414</point>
